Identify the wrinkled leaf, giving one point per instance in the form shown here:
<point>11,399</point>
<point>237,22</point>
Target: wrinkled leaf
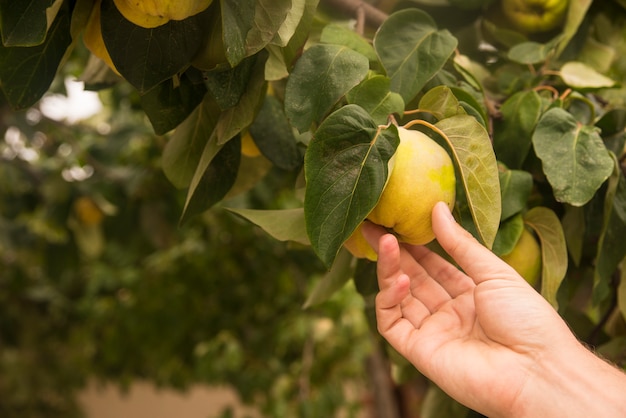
<point>513,131</point>
<point>548,228</point>
<point>346,168</point>
<point>412,50</point>
<point>472,151</point>
<point>573,156</point>
<point>374,96</point>
<point>322,75</point>
<point>281,224</point>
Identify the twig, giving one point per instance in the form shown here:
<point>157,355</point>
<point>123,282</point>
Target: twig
<point>373,16</point>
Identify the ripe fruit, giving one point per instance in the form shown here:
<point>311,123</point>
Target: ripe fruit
<point>422,175</point>
<point>526,257</point>
<point>93,37</point>
<point>359,247</point>
<point>153,13</point>
<point>534,16</point>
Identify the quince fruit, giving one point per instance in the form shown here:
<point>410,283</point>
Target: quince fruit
<point>92,38</point>
<point>535,16</point>
<point>526,257</point>
<point>422,175</point>
<point>153,13</point>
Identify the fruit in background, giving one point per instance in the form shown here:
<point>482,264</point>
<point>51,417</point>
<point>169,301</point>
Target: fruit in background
<point>92,38</point>
<point>422,175</point>
<point>153,13</point>
<point>358,245</point>
<point>535,16</point>
<point>248,147</point>
<point>526,257</point>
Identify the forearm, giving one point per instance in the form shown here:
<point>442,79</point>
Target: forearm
<point>574,383</point>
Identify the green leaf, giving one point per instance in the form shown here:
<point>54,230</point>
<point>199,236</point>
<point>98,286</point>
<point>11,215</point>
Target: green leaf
<point>281,224</point>
<point>515,187</point>
<point>290,25</point>
<point>412,50</point>
<point>612,245</point>
<point>573,156</point>
<point>546,225</point>
<point>473,102</point>
<point>341,35</point>
<point>147,57</point>
<point>322,75</point>
<point>529,53</point>
<point>168,105</point>
<point>612,126</point>
<point>27,72</point>
<point>215,175</point>
<point>233,120</point>
<point>182,153</point>
<point>579,75</point>
<point>576,13</point>
<point>574,228</point>
<point>24,22</point>
<point>513,131</point>
<point>249,25</point>
<point>274,136</point>
<point>346,168</point>
<point>373,95</point>
<point>339,274</point>
<point>441,102</point>
<point>472,151</point>
<point>508,234</point>
<point>227,86</point>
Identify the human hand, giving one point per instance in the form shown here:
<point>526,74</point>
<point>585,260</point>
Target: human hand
<point>482,334</point>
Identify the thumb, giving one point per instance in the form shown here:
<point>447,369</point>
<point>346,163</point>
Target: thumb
<point>476,260</point>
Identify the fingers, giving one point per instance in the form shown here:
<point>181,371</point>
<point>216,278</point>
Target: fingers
<point>476,260</point>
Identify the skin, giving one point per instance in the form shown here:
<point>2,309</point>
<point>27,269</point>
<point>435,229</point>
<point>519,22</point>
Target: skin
<point>483,334</point>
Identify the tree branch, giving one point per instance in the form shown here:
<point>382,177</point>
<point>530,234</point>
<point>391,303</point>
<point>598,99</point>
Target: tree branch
<point>373,17</point>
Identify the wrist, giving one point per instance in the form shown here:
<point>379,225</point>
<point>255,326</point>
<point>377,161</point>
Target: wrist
<point>573,382</point>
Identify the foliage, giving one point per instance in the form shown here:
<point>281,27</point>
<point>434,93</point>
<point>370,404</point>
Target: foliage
<point>535,123</point>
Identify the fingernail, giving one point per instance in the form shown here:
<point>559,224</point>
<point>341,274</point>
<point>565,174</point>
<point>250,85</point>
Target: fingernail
<point>447,212</point>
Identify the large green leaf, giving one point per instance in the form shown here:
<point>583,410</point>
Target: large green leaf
<point>473,153</point>
<point>24,22</point>
<point>373,95</point>
<point>322,75</point>
<point>281,224</point>
<point>441,102</point>
<point>580,75</point>
<point>573,156</point>
<point>553,250</point>
<point>169,104</point>
<point>412,50</point>
<point>513,130</point>
<point>147,57</point>
<point>228,85</point>
<point>508,235</point>
<point>184,149</point>
<point>249,25</point>
<point>27,72</point>
<point>346,168</point>
<point>342,35</point>
<point>274,136</point>
<point>612,245</point>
